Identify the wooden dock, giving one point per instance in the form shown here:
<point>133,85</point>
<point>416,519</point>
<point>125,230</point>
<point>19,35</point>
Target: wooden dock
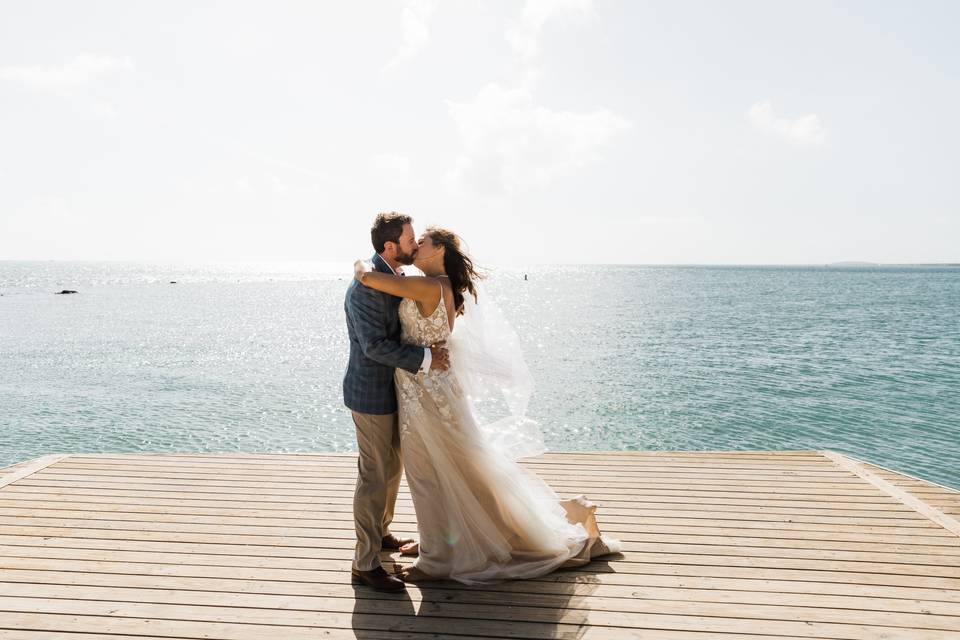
<point>720,545</point>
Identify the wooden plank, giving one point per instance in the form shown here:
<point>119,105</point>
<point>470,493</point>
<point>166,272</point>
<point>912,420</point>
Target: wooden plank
<point>310,499</point>
<point>719,453</point>
<point>45,634</point>
<point>54,497</point>
<point>435,616</point>
<point>548,458</point>
<point>772,568</point>
<point>583,486</point>
<point>881,503</point>
<point>653,552</point>
<point>344,530</point>
<point>286,542</point>
<point>580,486</point>
<point>719,491</point>
<point>770,514</point>
<point>901,476</point>
<point>892,598</point>
<point>108,504</point>
<point>80,627</point>
<point>343,527</point>
<point>246,480</point>
<point>215,479</point>
<point>596,611</point>
<point>28,468</point>
<point>629,455</point>
<point>821,468</point>
<point>616,459</point>
<point>766,479</point>
<point>896,615</point>
<point>538,593</point>
<point>370,628</point>
<point>5,470</point>
<point>596,573</point>
<point>287,557</point>
<point>335,496</point>
<point>337,502</point>
<point>608,493</point>
<point>839,482</point>
<point>773,477</point>
<point>635,548</point>
<point>949,523</point>
<point>907,482</point>
<point>321,502</point>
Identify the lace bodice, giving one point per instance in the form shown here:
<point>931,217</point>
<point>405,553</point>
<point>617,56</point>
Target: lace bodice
<point>423,331</point>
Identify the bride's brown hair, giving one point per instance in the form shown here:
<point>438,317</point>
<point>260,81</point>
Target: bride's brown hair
<point>458,265</point>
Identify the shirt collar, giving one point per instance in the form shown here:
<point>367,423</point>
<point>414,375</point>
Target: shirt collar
<point>392,270</point>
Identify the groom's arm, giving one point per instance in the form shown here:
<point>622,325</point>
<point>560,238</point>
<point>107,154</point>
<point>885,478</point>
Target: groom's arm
<point>368,312</point>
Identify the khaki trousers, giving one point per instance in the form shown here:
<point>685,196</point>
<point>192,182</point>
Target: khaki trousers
<point>378,481</point>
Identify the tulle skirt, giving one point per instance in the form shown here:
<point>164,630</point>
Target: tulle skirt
<point>482,517</point>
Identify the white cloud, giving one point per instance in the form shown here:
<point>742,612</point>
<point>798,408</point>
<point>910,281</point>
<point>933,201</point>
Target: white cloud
<point>279,186</point>
<point>806,130</point>
<point>41,214</point>
<point>392,169</point>
<point>524,34</point>
<point>84,70</point>
<point>667,220</point>
<point>77,80</point>
<point>415,31</point>
<point>257,184</point>
<point>300,170</point>
<point>512,142</point>
<point>44,226</point>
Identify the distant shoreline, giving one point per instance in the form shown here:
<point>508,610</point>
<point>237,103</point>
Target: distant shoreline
<point>172,263</point>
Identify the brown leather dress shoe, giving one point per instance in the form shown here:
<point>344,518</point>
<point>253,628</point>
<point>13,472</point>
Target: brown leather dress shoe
<point>378,579</point>
<point>392,542</point>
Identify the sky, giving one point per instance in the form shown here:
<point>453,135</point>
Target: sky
<point>541,131</point>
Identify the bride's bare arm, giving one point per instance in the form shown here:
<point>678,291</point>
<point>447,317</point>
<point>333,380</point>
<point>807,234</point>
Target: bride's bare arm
<point>419,288</point>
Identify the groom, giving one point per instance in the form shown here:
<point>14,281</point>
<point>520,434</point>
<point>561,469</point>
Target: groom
<point>373,326</point>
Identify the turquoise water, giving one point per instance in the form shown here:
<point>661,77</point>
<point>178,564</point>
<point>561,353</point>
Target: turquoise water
<point>861,360</point>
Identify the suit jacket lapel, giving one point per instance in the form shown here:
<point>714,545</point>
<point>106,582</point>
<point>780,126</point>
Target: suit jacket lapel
<point>380,264</point>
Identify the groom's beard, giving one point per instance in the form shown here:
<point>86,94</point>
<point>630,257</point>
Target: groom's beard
<point>406,258</point>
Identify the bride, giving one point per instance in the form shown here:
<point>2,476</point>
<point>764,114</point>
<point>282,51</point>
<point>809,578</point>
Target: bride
<point>481,517</point>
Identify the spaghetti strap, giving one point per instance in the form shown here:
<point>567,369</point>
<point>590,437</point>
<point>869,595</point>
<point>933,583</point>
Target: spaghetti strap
<point>442,302</point>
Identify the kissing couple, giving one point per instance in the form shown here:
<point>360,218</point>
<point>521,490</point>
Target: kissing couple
<point>437,387</point>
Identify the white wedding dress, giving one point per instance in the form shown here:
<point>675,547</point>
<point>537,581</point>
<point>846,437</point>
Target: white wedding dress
<point>481,517</point>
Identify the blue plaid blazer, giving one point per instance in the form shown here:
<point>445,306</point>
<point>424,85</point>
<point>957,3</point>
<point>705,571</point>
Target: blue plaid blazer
<point>373,326</point>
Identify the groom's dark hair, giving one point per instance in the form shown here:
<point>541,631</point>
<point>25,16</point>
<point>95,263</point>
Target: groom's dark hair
<point>388,227</point>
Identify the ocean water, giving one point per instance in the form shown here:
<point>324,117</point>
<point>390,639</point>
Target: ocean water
<point>249,357</point>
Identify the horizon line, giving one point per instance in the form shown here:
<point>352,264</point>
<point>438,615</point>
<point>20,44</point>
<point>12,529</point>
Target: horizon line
<point>838,263</point>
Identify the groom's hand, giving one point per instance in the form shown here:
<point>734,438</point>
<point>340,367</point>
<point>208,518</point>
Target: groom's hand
<point>440,358</point>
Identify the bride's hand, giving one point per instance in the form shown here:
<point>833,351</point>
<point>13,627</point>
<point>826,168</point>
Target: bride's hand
<point>361,268</point>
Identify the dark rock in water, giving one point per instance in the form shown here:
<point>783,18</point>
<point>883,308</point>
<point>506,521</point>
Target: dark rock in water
<point>64,291</point>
